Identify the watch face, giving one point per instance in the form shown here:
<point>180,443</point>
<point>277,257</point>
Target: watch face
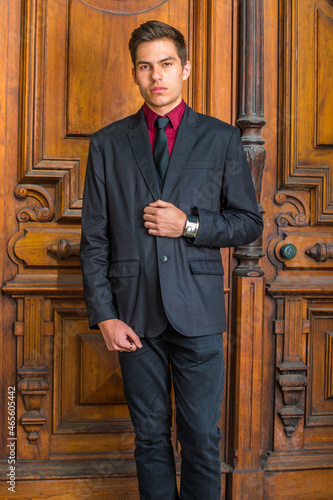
<point>192,226</point>
<point>190,229</point>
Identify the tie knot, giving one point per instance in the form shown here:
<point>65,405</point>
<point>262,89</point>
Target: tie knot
<point>162,122</point>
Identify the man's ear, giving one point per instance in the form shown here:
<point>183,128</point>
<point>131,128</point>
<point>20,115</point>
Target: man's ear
<point>134,76</point>
<point>186,70</point>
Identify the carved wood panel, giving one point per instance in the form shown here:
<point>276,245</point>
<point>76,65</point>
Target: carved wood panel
<point>88,397</point>
<point>305,128</point>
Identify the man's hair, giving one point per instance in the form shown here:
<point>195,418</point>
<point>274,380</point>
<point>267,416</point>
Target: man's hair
<point>156,30</point>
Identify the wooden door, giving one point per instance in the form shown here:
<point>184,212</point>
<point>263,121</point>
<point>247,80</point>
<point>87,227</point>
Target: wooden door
<point>73,76</point>
<point>300,252</point>
<point>262,64</point>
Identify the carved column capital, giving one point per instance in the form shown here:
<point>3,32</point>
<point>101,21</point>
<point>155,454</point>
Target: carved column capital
<point>33,387</point>
<point>292,385</point>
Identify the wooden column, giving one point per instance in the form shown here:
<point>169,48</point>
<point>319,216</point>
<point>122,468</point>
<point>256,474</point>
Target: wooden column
<point>246,480</point>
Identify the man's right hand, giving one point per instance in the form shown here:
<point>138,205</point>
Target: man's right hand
<point>118,336</point>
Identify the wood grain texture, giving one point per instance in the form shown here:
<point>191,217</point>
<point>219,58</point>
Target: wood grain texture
<point>305,485</point>
<point>72,489</point>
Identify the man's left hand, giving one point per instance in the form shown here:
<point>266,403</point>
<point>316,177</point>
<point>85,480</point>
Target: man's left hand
<point>164,219</point>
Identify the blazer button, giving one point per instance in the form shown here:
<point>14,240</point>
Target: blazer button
<point>164,258</point>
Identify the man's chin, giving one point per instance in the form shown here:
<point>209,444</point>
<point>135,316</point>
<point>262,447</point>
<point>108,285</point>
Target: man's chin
<point>158,100</point>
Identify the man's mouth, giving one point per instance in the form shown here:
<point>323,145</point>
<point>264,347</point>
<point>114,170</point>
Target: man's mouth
<point>158,90</point>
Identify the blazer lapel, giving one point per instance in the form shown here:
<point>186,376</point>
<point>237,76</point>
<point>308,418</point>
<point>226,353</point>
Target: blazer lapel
<point>186,137</point>
<point>140,143</point>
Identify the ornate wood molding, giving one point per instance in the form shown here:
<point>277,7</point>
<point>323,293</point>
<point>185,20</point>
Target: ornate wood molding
<point>291,384</point>
<point>34,383</point>
<point>64,174</point>
<point>36,247</point>
<point>49,285</point>
<point>299,219</point>
<point>292,380</point>
<point>43,214</point>
<point>297,249</point>
<point>33,387</point>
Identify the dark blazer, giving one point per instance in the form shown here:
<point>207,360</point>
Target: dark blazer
<point>144,280</point>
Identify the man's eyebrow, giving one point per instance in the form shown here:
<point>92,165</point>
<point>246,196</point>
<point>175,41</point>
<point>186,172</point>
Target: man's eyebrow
<point>142,62</point>
<point>168,59</point>
<point>161,61</point>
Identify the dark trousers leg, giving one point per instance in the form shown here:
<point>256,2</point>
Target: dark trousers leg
<point>198,377</point>
<point>147,384</point>
<point>198,374</point>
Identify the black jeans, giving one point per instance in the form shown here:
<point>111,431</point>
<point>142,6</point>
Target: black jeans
<point>197,371</point>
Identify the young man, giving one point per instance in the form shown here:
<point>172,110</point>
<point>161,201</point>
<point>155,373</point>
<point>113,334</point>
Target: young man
<point>162,195</point>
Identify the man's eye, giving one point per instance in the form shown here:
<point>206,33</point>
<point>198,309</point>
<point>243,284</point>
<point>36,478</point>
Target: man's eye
<point>144,66</point>
<point>167,64</point>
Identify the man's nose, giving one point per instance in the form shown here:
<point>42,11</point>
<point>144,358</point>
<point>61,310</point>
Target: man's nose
<point>156,74</point>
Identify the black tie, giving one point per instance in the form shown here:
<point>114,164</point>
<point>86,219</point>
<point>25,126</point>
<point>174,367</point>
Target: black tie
<point>161,149</point>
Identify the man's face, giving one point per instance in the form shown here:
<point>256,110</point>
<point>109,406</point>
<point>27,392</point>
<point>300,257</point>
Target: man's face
<point>159,74</point>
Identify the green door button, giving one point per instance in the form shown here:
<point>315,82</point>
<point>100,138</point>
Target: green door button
<point>288,251</point>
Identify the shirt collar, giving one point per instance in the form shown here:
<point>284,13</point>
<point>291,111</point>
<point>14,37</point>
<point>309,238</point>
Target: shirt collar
<point>175,115</point>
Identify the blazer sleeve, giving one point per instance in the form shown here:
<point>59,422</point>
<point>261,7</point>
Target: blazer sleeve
<point>238,222</point>
<point>95,241</point>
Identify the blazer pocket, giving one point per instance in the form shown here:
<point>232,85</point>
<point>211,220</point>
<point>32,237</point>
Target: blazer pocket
<point>124,268</point>
<point>205,266</point>
<point>199,164</point>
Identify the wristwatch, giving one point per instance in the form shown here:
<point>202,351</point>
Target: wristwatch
<point>191,227</point>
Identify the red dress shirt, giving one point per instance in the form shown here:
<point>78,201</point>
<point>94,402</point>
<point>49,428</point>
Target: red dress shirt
<point>175,116</point>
